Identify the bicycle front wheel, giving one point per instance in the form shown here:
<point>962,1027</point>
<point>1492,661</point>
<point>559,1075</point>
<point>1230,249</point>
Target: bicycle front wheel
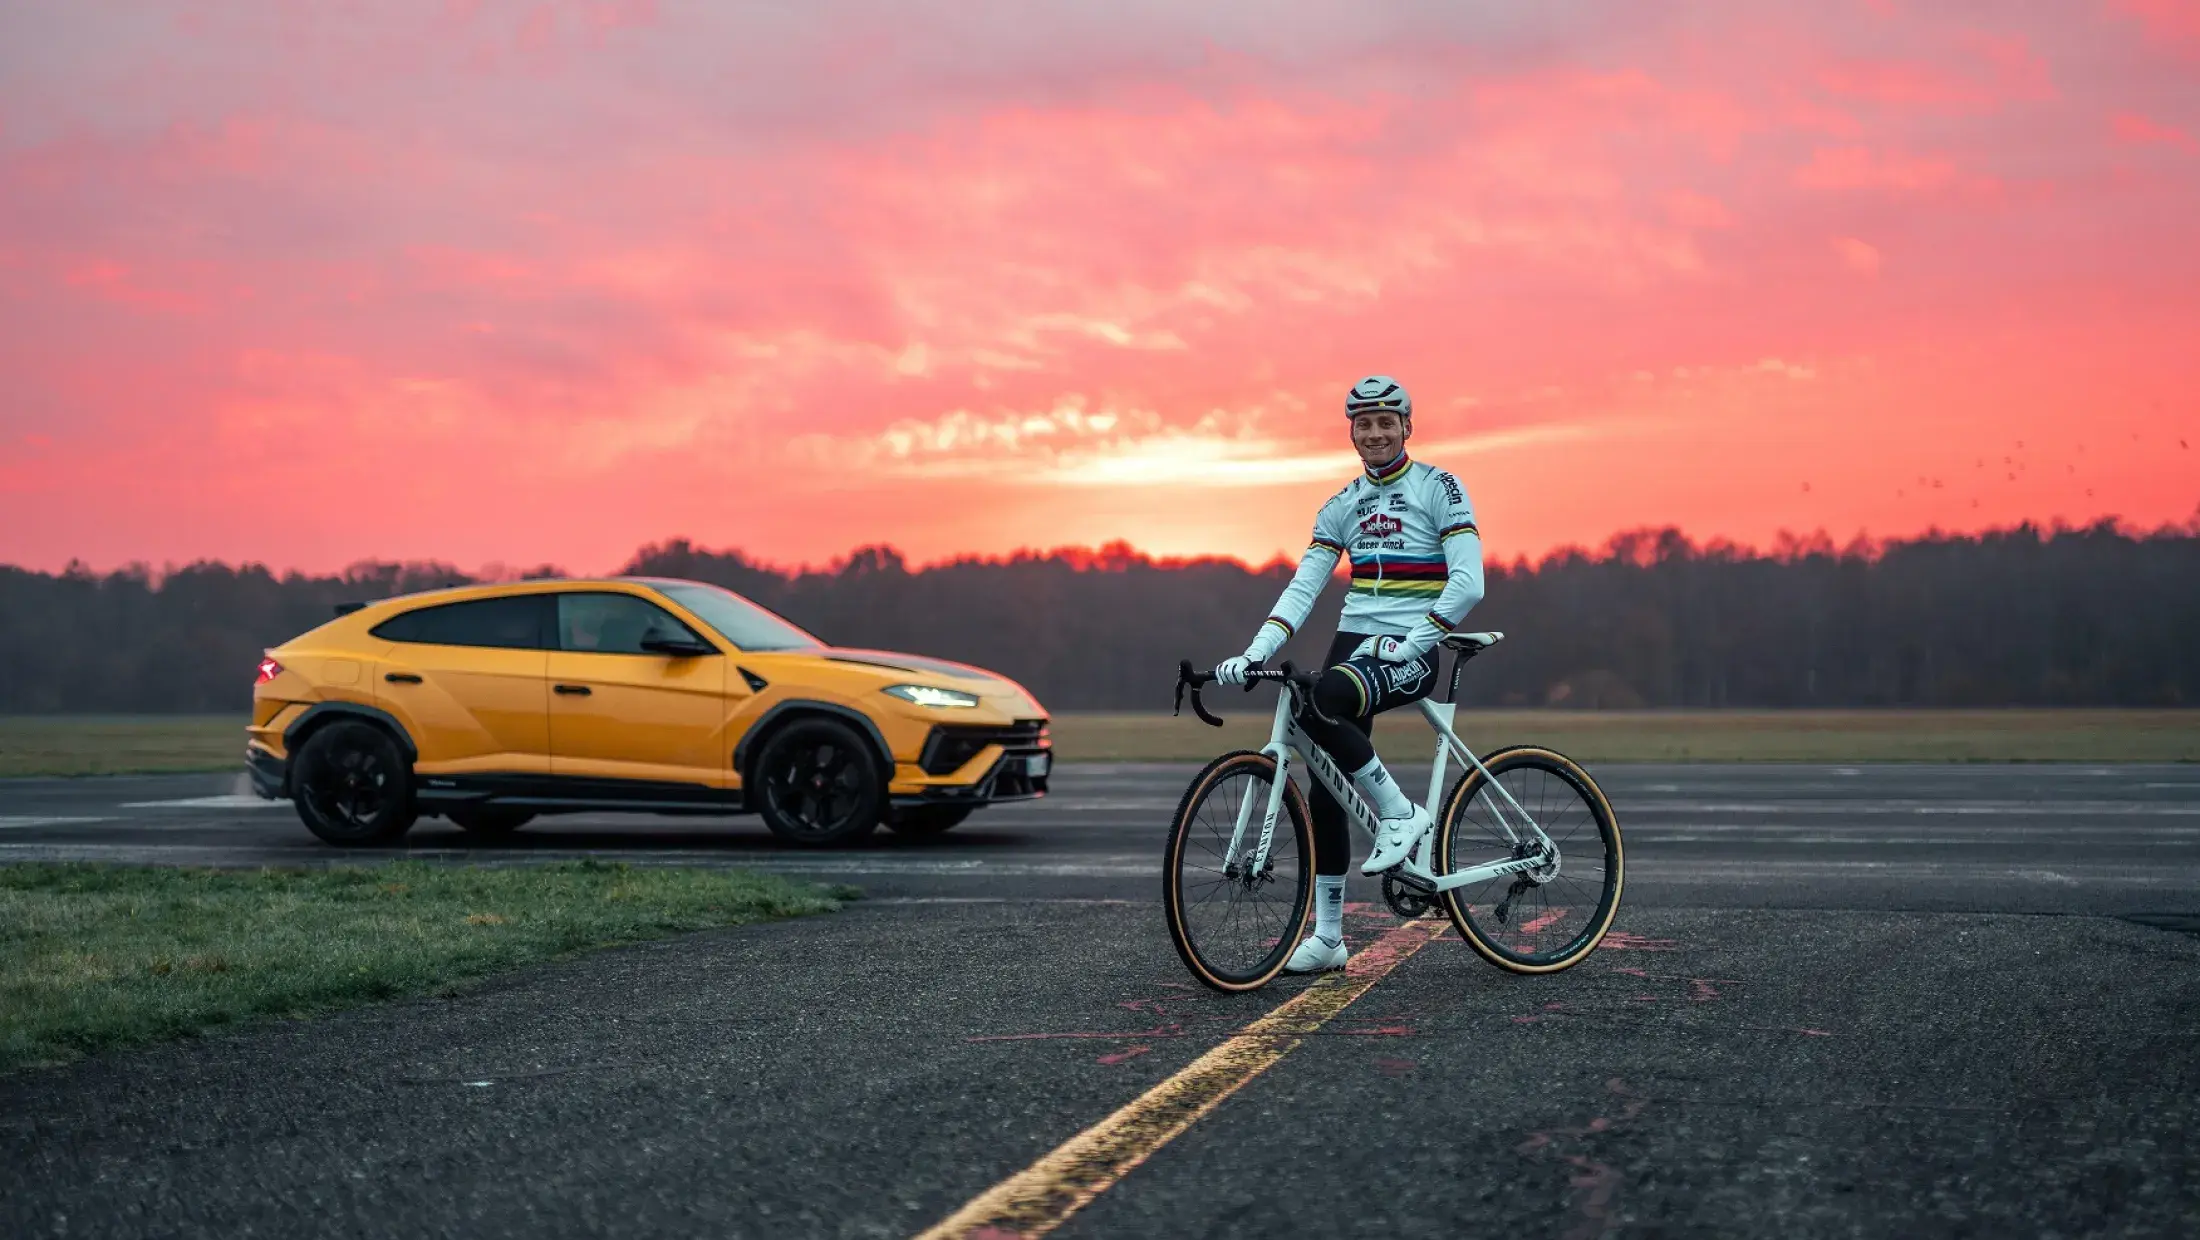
<point>1551,917</point>
<point>1234,915</point>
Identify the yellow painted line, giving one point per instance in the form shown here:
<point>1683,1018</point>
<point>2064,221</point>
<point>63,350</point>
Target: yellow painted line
<point>1039,1198</point>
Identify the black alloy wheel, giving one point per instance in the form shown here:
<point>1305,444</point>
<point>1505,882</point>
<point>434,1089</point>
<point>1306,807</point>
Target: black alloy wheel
<point>819,784</point>
<point>353,785</point>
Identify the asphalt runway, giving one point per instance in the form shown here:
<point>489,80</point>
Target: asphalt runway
<point>1838,1001</point>
<point>2104,840</point>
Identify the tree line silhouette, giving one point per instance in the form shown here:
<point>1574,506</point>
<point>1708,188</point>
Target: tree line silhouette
<point>2094,616</point>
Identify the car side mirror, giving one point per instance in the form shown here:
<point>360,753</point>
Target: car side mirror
<point>678,647</point>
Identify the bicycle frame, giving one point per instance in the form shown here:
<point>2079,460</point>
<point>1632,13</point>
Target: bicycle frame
<point>1285,735</point>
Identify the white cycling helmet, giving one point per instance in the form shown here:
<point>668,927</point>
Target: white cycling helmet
<point>1378,392</point>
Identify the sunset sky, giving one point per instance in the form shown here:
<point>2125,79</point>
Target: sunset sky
<point>308,283</point>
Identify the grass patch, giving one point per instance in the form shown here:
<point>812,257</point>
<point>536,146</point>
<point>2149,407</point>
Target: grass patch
<point>94,957</point>
<point>120,744</point>
<point>1682,736</point>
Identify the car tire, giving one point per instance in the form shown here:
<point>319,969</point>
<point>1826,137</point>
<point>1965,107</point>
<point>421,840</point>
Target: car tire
<point>925,821</point>
<point>817,784</point>
<point>489,821</point>
<point>352,785</point>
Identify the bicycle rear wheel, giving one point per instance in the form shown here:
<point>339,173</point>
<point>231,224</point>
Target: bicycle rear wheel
<point>1543,920</point>
<point>1235,924</point>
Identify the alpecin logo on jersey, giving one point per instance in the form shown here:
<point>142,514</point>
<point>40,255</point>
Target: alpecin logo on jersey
<point>1381,525</point>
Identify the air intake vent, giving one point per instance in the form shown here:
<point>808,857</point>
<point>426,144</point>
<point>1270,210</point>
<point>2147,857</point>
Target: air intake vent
<point>951,745</point>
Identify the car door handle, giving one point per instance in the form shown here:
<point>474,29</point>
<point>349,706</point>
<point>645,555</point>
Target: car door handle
<point>573,690</point>
<point>401,678</point>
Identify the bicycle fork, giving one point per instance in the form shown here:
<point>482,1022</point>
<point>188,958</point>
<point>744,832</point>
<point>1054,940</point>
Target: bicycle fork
<point>1278,750</point>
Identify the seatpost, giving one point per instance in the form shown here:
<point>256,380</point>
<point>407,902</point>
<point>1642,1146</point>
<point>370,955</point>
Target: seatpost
<point>1451,691</point>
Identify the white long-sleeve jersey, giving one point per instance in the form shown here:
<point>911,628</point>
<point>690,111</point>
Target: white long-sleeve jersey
<point>1416,559</point>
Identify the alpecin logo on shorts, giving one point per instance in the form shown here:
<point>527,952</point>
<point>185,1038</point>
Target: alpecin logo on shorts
<point>1406,677</point>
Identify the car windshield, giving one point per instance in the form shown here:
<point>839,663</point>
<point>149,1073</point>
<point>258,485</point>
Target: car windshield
<point>738,620</point>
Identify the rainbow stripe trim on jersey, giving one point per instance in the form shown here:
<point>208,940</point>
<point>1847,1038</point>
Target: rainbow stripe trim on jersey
<point>1283,624</point>
<point>1464,527</point>
<point>1400,574</point>
<point>1392,474</point>
<point>1393,587</point>
<point>1330,543</point>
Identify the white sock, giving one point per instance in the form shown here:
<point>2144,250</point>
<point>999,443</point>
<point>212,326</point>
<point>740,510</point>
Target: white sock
<point>1329,907</point>
<point>1381,790</point>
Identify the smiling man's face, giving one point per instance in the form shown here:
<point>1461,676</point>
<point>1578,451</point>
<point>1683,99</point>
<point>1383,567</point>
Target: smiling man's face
<point>1379,435</point>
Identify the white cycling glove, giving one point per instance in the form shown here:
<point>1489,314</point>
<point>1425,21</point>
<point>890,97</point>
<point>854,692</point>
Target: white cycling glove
<point>1390,649</point>
<point>1265,643</point>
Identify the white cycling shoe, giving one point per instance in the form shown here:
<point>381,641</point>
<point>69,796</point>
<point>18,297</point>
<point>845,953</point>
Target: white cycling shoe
<point>1395,839</point>
<point>1317,955</point>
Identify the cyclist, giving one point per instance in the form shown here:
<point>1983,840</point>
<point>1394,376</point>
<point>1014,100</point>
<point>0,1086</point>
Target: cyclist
<point>1416,570</point>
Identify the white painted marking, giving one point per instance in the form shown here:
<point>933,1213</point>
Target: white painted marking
<point>1146,868</point>
<point>1846,770</point>
<point>1673,872</point>
<point>988,900</point>
<point>19,822</point>
<point>1872,832</point>
<point>230,801</point>
<point>2012,809</point>
<point>1853,842</point>
<point>1089,804</point>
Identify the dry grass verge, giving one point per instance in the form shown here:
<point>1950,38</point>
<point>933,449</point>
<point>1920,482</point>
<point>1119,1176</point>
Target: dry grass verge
<point>94,957</point>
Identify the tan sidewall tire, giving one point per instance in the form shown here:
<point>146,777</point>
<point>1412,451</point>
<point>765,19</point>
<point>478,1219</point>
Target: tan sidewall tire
<point>1294,808</point>
<point>1602,807</point>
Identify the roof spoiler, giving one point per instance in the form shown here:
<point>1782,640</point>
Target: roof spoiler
<point>345,609</point>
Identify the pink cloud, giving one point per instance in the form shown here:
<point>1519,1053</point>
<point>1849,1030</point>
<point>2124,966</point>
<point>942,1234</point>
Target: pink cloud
<point>2174,22</point>
<point>1858,256</point>
<point>2131,127</point>
<point>752,276</point>
<point>1861,168</point>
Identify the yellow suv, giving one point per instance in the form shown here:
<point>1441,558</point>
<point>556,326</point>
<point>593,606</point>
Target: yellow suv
<point>489,705</point>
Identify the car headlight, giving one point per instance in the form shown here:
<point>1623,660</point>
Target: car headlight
<point>928,695</point>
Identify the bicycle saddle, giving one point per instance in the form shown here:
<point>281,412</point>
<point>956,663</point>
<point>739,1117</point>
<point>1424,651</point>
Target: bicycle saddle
<point>1473,643</point>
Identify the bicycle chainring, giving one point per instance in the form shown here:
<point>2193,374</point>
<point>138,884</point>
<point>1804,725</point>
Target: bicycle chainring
<point>1404,900</point>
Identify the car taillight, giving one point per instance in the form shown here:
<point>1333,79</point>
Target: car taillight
<point>269,670</point>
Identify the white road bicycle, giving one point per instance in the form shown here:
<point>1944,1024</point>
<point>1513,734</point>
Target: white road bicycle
<point>1525,853</point>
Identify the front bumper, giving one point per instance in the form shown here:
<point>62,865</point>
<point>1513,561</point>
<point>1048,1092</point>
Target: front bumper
<point>270,774</point>
<point>1016,775</point>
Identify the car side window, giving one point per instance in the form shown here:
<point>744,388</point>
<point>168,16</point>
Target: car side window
<point>514,623</point>
<point>614,624</point>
